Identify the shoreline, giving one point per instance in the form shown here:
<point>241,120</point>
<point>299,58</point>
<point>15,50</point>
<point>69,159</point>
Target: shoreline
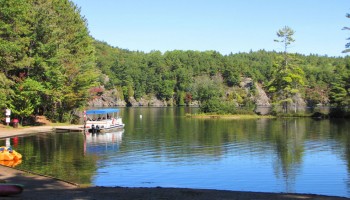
<point>51,188</point>
<point>247,116</point>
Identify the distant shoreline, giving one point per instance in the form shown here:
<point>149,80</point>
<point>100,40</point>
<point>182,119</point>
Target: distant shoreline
<point>212,116</point>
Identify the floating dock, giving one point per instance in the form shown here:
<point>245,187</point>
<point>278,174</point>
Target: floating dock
<point>71,128</point>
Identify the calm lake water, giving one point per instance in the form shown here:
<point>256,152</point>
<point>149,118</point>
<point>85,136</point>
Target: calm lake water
<point>164,148</point>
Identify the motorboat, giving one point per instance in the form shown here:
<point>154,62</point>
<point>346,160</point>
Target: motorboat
<point>102,120</point>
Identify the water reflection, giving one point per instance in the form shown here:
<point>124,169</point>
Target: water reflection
<point>59,155</point>
<point>8,142</point>
<point>97,143</point>
<point>164,148</point>
<point>289,149</point>
<point>10,163</point>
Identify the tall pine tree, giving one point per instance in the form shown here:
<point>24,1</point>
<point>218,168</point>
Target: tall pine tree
<point>288,77</point>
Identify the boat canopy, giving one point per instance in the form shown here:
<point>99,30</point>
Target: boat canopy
<point>102,111</point>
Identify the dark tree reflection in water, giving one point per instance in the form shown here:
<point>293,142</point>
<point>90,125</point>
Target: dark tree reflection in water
<point>165,148</point>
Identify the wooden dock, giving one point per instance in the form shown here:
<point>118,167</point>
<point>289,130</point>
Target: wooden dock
<point>71,128</point>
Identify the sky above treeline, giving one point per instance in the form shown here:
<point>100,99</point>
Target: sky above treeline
<point>226,26</point>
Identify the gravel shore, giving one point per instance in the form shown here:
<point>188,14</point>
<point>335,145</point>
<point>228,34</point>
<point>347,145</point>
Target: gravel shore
<point>43,187</point>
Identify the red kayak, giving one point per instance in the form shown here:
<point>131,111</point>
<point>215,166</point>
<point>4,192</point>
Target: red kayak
<point>10,189</point>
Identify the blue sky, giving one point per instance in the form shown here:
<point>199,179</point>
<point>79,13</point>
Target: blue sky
<point>222,25</point>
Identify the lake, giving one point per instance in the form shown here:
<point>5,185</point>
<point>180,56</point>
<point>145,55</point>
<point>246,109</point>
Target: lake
<point>164,148</point>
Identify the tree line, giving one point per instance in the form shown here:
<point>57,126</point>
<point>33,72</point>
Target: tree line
<point>213,79</point>
<point>50,65</point>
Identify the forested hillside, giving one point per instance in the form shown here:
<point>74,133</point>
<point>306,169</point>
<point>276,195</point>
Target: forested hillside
<point>49,65</point>
<point>180,77</point>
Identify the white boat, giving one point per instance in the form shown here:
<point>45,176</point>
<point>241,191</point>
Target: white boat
<point>102,120</point>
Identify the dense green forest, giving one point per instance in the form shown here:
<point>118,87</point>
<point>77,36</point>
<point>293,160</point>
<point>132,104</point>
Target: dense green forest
<point>214,79</point>
<point>50,65</point>
<point>47,58</point>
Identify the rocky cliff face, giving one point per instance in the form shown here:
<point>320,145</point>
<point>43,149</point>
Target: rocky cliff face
<point>148,101</point>
<point>111,98</point>
<point>260,98</point>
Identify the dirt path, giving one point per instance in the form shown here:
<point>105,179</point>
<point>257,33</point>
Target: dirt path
<point>34,185</point>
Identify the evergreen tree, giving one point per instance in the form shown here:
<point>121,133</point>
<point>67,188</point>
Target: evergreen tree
<point>288,77</point>
<point>347,45</point>
<point>340,87</point>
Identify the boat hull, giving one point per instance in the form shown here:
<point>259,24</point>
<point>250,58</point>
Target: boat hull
<point>104,130</point>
